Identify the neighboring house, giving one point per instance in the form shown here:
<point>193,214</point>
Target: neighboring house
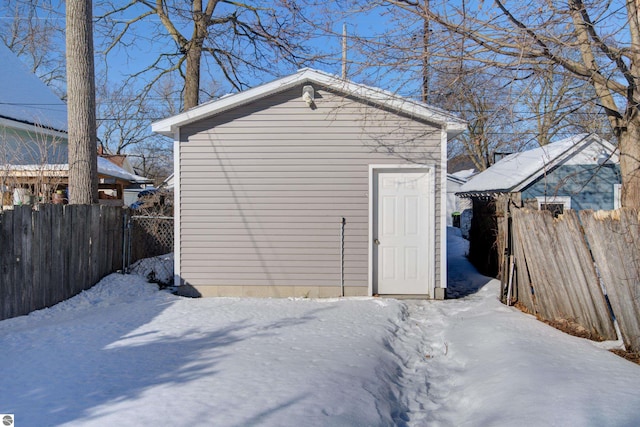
<point>168,182</point>
<point>33,120</point>
<point>33,141</point>
<point>311,186</point>
<point>457,205</point>
<point>131,191</point>
<point>580,172</point>
<point>27,184</point>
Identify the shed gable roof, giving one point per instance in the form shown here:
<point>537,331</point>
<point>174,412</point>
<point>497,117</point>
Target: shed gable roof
<point>517,171</point>
<point>454,125</point>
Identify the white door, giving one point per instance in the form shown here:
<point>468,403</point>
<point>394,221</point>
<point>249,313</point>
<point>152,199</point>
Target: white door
<point>401,232</point>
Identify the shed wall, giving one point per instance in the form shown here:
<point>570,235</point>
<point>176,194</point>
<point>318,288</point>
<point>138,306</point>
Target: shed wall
<point>263,189</point>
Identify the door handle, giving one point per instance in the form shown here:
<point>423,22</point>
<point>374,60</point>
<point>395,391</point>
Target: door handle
<point>376,241</point>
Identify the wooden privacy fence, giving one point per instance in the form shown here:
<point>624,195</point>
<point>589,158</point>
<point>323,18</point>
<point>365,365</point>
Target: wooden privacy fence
<point>53,252</point>
<point>614,238</point>
<point>561,267</point>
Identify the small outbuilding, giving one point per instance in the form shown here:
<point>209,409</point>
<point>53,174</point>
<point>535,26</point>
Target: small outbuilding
<point>311,185</point>
<point>579,172</point>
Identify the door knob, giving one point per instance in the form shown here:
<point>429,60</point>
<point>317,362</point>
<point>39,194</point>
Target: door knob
<point>376,241</point>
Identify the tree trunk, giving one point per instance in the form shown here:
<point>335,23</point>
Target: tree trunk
<point>192,76</point>
<point>629,146</point>
<point>81,104</point>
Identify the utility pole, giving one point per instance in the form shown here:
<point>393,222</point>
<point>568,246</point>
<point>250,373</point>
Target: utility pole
<point>425,53</point>
<point>344,51</point>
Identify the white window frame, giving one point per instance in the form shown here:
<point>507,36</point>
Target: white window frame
<point>617,196</point>
<point>564,200</point>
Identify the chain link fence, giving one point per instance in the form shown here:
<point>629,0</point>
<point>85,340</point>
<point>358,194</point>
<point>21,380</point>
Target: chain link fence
<point>147,236</point>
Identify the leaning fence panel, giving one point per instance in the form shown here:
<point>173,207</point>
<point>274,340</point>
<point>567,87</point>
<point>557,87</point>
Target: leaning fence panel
<point>562,276</point>
<point>614,238</point>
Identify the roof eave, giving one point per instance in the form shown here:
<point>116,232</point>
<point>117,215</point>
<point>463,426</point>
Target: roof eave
<point>453,125</point>
<point>32,127</point>
<point>481,194</point>
<point>556,161</point>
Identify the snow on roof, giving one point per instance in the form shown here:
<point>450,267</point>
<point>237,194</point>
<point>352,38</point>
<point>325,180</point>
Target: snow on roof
<point>463,175</point>
<point>452,123</point>
<point>514,172</point>
<point>25,98</point>
<point>105,167</point>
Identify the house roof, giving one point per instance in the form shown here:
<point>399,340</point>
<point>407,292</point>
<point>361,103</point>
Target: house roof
<point>24,98</point>
<point>453,124</point>
<point>168,182</point>
<point>105,168</point>
<point>515,172</point>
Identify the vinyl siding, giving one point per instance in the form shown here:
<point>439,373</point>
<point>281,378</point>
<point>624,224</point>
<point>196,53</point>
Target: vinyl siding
<point>590,186</point>
<point>263,189</point>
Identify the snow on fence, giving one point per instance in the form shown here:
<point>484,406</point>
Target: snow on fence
<point>561,266</point>
<point>52,252</point>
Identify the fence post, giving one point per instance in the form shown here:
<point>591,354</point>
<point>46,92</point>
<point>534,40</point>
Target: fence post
<point>126,241</point>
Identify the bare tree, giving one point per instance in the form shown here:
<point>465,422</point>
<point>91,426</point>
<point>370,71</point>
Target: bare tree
<point>558,104</point>
<point>591,40</point>
<point>124,118</point>
<point>81,109</point>
<point>124,125</point>
<point>237,39</point>
<point>153,159</point>
<point>485,104</point>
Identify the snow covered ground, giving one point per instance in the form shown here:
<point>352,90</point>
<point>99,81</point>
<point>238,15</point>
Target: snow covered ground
<point>125,354</point>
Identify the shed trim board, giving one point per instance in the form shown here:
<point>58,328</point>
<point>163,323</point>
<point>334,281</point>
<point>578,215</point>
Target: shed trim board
<point>452,124</point>
<point>176,210</point>
<point>429,259</point>
<point>440,294</point>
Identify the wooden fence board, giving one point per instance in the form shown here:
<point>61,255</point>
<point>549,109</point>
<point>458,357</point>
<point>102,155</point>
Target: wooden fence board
<point>52,253</point>
<point>21,237</point>
<point>529,238</point>
<point>583,279</point>
<point>66,242</point>
<point>95,245</point>
<point>559,264</point>
<point>523,282</point>
<point>7,263</point>
<point>41,249</point>
<point>614,238</point>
